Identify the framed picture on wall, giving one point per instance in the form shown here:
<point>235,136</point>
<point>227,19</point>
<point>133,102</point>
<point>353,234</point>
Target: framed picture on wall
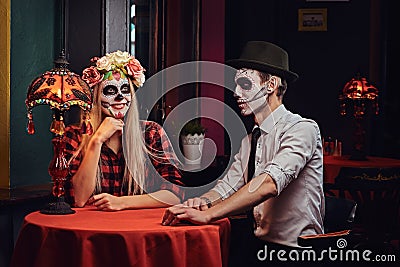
<point>312,19</point>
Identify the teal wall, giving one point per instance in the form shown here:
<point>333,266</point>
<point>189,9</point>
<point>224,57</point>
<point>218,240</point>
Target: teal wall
<point>33,45</point>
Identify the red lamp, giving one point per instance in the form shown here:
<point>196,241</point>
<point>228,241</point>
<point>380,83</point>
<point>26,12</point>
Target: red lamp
<point>60,89</point>
<point>361,98</point>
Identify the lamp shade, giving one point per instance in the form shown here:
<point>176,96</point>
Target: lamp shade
<point>359,94</point>
<point>59,88</point>
<point>359,88</point>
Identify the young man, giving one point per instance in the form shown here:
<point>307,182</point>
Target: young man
<point>286,192</point>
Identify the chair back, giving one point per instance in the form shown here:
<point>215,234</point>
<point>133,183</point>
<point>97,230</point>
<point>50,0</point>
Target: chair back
<point>339,214</point>
<point>377,193</point>
<point>338,220</point>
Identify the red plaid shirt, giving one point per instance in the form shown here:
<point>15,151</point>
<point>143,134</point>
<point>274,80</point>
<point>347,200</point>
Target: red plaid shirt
<point>113,165</point>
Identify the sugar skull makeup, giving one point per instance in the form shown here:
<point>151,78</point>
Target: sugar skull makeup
<point>115,97</point>
<point>251,96</point>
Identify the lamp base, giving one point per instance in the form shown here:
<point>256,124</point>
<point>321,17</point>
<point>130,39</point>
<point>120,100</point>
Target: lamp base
<point>58,207</point>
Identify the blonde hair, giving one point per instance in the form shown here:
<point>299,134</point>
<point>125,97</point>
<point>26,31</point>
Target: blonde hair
<point>134,178</point>
<point>135,145</point>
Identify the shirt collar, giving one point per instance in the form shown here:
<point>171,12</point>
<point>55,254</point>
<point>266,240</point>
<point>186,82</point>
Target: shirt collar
<point>269,123</point>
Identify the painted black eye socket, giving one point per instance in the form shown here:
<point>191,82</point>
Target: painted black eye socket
<point>244,83</point>
<point>110,90</point>
<point>125,89</point>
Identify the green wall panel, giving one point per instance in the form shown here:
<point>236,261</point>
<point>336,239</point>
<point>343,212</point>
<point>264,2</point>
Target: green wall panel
<point>33,30</point>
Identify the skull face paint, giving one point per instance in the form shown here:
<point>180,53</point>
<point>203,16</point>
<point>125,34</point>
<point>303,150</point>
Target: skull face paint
<point>250,95</point>
<point>115,97</point>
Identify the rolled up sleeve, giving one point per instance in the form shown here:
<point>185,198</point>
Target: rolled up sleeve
<point>296,147</point>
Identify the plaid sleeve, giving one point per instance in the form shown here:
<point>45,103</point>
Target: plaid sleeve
<point>72,138</point>
<point>164,160</point>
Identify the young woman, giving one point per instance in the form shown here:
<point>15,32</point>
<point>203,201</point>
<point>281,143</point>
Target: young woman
<point>99,172</point>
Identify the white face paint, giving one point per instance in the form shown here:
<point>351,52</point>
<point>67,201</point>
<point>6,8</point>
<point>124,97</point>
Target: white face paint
<point>251,96</point>
<point>115,97</point>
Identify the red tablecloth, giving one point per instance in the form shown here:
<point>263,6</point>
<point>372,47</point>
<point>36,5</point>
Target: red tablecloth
<point>124,238</point>
<point>333,164</point>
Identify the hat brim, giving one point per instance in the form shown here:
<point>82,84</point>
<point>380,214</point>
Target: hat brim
<point>261,66</point>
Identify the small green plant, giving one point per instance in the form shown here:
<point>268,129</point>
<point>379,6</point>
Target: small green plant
<point>193,127</point>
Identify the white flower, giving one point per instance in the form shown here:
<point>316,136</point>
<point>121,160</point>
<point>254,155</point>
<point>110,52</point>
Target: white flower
<point>104,63</point>
<point>119,58</point>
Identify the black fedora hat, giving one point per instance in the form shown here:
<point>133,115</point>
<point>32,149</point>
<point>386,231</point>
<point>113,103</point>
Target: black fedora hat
<point>265,57</point>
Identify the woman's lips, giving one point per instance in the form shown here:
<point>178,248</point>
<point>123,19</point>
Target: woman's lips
<point>118,106</point>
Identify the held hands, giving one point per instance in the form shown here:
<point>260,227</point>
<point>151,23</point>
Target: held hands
<point>108,127</point>
<point>106,202</point>
<point>190,210</point>
<point>175,214</point>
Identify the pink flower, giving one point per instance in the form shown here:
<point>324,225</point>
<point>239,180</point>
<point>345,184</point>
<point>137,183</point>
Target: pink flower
<point>116,74</point>
<point>94,59</point>
<point>92,76</point>
<point>134,68</point>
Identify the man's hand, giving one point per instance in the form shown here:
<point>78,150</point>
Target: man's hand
<point>106,202</point>
<point>175,214</point>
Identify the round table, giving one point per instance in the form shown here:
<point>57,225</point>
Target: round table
<point>123,238</point>
<point>332,165</point>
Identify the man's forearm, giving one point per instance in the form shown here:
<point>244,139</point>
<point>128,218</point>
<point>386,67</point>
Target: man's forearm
<point>258,190</point>
<point>213,196</point>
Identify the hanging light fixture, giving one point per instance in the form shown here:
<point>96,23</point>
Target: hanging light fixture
<point>60,89</point>
<point>361,98</point>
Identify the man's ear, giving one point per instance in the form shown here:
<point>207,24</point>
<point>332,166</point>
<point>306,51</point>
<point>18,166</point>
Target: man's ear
<point>271,85</point>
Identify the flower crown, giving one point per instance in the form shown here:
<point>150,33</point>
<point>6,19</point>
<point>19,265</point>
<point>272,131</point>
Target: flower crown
<point>116,62</point>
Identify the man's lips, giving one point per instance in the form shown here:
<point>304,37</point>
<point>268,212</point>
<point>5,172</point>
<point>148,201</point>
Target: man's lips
<point>242,103</point>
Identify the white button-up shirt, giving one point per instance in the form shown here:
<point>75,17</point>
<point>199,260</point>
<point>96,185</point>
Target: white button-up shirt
<point>290,151</point>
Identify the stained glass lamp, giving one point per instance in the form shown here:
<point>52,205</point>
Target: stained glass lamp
<point>60,89</point>
<point>361,98</point>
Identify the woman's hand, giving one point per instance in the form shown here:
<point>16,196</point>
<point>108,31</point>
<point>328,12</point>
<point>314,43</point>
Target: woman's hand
<point>107,128</point>
<point>173,215</point>
<point>106,202</point>
<point>198,203</point>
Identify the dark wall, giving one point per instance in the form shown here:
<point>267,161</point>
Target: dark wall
<point>85,25</point>
<point>389,137</point>
<point>324,60</point>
